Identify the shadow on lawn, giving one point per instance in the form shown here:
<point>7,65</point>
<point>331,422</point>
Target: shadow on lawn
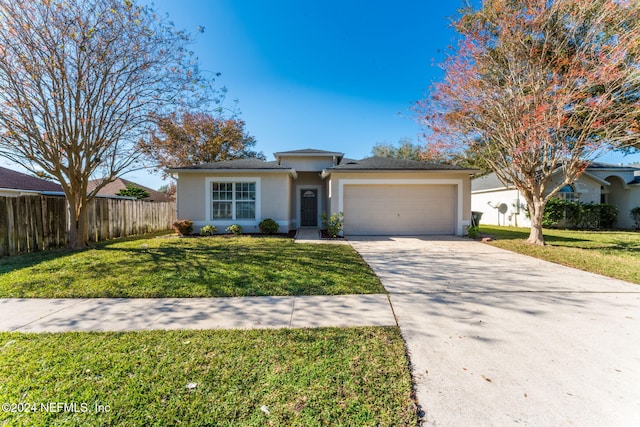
<point>236,268</point>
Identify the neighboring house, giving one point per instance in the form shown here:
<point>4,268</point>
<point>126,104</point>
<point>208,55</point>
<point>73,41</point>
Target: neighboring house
<point>600,183</point>
<point>378,196</point>
<point>114,187</point>
<point>13,184</point>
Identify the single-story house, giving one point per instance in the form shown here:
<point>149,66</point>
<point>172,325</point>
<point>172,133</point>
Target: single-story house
<point>14,184</point>
<point>378,196</point>
<point>113,188</point>
<point>600,183</point>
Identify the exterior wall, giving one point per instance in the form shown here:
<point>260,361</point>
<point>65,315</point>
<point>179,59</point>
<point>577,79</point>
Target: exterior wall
<point>625,198</point>
<point>273,199</point>
<point>337,180</point>
<point>617,193</point>
<point>487,202</point>
<point>588,188</point>
<point>307,164</point>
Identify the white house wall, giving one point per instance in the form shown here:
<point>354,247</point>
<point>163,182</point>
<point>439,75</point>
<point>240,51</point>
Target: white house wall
<point>489,201</point>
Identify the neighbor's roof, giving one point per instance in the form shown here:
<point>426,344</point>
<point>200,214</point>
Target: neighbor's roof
<point>113,188</point>
<point>19,181</point>
<point>492,182</point>
<point>386,163</point>
<point>598,165</point>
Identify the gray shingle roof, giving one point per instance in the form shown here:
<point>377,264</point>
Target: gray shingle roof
<point>308,151</point>
<point>20,181</point>
<point>235,164</point>
<point>385,163</point>
<point>486,182</point>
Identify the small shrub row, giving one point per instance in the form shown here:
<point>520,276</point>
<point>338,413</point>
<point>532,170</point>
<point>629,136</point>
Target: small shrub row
<point>184,227</point>
<point>579,215</point>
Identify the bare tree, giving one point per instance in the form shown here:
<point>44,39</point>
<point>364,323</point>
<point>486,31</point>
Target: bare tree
<point>535,86</point>
<point>79,80</point>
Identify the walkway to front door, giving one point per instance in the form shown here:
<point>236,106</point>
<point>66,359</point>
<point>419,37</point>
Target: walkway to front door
<point>309,208</point>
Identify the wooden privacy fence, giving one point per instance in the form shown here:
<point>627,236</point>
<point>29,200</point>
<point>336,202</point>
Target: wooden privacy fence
<point>37,223</point>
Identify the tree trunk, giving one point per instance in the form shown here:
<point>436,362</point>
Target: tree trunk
<point>536,210</point>
<point>78,230</point>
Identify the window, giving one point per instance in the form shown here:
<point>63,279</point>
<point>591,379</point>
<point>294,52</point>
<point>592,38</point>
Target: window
<point>568,193</point>
<point>233,200</point>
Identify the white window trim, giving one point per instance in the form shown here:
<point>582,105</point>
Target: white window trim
<point>209,200</point>
<point>460,223</point>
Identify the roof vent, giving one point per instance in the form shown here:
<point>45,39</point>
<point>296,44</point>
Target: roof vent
<point>352,163</point>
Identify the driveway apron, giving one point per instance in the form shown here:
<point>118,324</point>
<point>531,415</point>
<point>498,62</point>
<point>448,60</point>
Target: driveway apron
<point>499,338</point>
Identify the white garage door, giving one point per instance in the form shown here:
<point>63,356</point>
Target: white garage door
<point>399,209</point>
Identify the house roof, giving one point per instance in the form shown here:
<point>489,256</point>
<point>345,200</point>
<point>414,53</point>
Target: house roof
<point>13,180</point>
<point>112,189</point>
<point>308,152</point>
<point>251,163</point>
<point>598,165</point>
<point>386,163</point>
<point>492,182</point>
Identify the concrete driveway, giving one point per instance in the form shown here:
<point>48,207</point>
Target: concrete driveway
<point>497,338</point>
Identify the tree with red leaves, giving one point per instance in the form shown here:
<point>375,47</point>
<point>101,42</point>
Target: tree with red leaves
<point>196,138</point>
<point>535,87</point>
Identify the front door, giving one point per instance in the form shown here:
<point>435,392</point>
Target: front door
<point>309,209</point>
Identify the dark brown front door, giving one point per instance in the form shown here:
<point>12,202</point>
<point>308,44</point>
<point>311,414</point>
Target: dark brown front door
<point>309,210</point>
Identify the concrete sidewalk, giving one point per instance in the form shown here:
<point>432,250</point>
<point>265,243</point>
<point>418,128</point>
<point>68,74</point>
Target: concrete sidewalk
<point>106,314</point>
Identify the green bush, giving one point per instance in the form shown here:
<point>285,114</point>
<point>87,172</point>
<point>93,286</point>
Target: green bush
<point>635,216</point>
<point>184,227</point>
<point>554,212</point>
<point>208,230</point>
<point>473,231</point>
<point>268,226</point>
<point>234,229</point>
<point>579,215</point>
<point>608,215</point>
<point>333,224</point>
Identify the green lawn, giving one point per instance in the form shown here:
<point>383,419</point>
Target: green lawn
<point>189,267</point>
<point>304,377</point>
<point>610,253</point>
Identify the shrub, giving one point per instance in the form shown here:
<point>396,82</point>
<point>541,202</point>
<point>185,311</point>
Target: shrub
<point>579,215</point>
<point>268,226</point>
<point>184,227</point>
<point>554,212</point>
<point>234,229</point>
<point>208,230</point>
<point>333,224</point>
<point>635,216</point>
<point>473,231</point>
<point>608,215</point>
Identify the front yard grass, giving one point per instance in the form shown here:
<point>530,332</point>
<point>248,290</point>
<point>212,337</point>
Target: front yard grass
<point>302,377</point>
<point>610,253</point>
<point>189,267</point>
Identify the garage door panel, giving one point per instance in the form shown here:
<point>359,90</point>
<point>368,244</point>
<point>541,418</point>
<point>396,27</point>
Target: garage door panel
<point>399,209</point>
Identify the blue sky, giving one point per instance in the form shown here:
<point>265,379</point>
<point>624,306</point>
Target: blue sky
<point>335,75</point>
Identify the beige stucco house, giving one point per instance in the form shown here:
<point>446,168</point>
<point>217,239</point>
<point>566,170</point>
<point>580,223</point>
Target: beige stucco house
<point>601,183</point>
<point>378,196</point>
